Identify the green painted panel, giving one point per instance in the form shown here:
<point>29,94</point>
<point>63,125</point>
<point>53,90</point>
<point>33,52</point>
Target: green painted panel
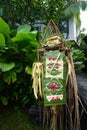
<point>54,78</point>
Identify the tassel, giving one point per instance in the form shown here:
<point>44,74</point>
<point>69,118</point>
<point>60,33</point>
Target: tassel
<point>37,71</point>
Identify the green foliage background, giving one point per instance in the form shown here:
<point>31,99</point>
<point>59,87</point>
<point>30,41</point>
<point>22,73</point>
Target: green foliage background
<point>17,53</point>
<point>29,11</point>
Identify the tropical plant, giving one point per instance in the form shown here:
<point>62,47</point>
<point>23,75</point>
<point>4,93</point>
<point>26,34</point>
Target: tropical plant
<point>17,53</point>
<point>73,8</point>
<point>79,58</point>
<point>82,46</point>
<point>78,54</point>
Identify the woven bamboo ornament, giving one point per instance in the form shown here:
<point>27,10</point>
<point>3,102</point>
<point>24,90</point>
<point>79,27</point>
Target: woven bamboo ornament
<point>61,108</point>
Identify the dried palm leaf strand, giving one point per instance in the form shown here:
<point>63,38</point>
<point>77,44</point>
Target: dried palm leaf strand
<point>36,75</point>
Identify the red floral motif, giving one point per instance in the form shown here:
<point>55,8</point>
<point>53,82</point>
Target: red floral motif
<point>55,98</point>
<point>52,99</point>
<point>57,67</point>
<point>49,67</point>
<point>51,59</point>
<point>53,86</point>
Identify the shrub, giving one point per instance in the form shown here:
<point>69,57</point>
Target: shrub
<point>17,53</point>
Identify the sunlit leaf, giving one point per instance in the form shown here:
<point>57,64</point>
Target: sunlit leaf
<point>21,37</point>
<point>33,34</point>
<point>24,28</point>
<point>6,66</point>
<point>4,28</point>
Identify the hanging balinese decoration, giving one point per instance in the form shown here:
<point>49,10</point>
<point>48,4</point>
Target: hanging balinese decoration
<point>54,80</point>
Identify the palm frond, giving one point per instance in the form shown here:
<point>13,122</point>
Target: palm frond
<point>74,11</point>
<point>74,8</point>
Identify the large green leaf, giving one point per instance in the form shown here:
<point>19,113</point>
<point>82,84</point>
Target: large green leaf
<point>26,41</point>
<point>33,46</point>
<point>33,34</point>
<point>4,28</point>
<point>22,40</point>
<point>24,28</point>
<point>2,40</point>
<point>6,66</point>
<point>10,77</point>
<point>21,37</point>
